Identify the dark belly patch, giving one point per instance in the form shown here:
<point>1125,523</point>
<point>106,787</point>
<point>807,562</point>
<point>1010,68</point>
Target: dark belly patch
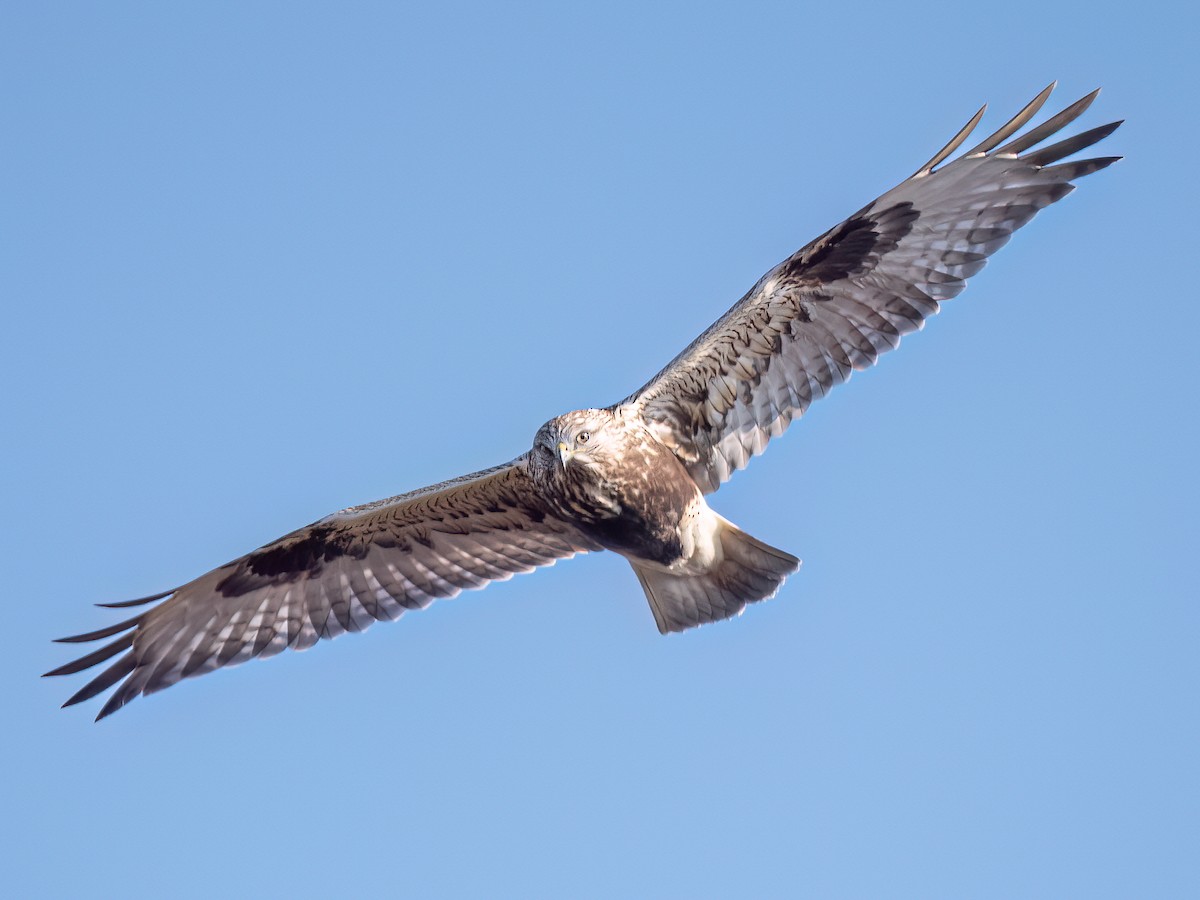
<point>632,534</point>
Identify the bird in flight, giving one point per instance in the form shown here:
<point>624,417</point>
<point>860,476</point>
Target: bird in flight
<point>631,477</point>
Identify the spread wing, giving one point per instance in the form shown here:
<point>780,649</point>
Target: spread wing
<point>343,573</point>
<point>850,295</point>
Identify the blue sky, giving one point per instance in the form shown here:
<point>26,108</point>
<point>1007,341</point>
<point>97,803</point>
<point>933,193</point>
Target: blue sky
<point>264,261</point>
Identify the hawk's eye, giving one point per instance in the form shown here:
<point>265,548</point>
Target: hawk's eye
<point>583,437</point>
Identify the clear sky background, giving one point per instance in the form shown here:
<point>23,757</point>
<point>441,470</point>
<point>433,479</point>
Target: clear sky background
<point>264,261</point>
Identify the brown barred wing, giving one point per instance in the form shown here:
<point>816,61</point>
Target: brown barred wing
<point>356,567</point>
<point>850,295</point>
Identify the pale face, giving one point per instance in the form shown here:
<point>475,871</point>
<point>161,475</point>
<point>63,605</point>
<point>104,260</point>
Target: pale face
<point>572,438</point>
<point>572,448</point>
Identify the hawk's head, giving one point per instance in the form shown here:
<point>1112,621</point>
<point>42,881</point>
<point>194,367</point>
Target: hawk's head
<point>577,455</point>
<point>581,437</point>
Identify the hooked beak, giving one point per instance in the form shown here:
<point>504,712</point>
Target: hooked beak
<point>564,453</point>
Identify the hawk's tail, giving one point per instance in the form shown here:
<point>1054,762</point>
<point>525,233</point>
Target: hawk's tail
<point>750,571</point>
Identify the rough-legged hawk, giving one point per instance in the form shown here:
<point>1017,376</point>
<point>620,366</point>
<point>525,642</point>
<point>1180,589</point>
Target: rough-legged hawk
<point>631,477</point>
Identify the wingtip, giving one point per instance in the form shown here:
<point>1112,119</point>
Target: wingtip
<point>140,601</point>
<point>1085,102</point>
<point>77,697</point>
<point>1013,125</point>
<point>114,702</point>
<point>954,144</point>
<point>101,633</point>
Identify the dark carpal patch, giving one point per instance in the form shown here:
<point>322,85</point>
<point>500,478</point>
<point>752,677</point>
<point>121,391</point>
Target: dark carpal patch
<point>287,558</point>
<point>849,249</point>
<point>322,544</point>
